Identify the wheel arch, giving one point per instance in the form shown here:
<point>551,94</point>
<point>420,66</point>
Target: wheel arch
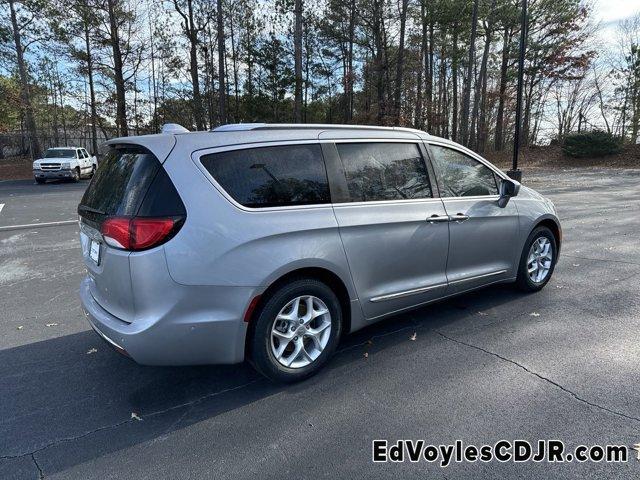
<point>553,225</point>
<point>330,278</point>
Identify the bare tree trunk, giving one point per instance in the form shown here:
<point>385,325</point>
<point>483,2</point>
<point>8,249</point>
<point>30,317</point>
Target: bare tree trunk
<point>454,75</point>
<point>222,92</point>
<point>429,65</point>
<point>234,57</point>
<point>504,70</point>
<point>154,99</point>
<point>478,96</point>
<point>121,101</point>
<point>466,100</point>
<point>600,100</point>
<point>482,101</point>
<point>297,47</point>
<point>307,63</point>
<point>193,68</point>
<point>352,33</point>
<point>377,35</point>
<point>58,85</point>
<point>397,104</point>
<point>191,31</point>
<point>25,92</point>
<point>418,123</point>
<point>92,90</point>
<point>442,87</point>
<point>54,104</point>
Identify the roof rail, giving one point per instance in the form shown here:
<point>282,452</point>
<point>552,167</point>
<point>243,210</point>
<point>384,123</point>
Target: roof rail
<point>173,128</point>
<point>237,127</point>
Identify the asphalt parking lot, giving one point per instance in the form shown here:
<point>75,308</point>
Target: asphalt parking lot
<point>490,365</point>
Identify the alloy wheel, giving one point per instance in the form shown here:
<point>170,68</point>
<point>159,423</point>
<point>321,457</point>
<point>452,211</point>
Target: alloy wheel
<point>539,260</point>
<point>300,331</point>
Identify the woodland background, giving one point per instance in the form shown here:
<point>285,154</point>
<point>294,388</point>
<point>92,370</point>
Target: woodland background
<point>81,71</point>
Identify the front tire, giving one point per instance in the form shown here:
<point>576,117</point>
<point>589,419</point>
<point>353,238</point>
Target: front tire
<point>537,261</point>
<point>40,181</point>
<point>296,331</point>
<point>76,175</point>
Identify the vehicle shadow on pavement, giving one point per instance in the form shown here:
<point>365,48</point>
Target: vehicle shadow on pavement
<point>84,404</point>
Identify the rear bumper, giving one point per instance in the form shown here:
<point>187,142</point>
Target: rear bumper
<point>188,334</point>
<point>53,173</point>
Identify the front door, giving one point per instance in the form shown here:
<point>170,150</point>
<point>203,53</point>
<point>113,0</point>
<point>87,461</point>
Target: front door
<point>482,244</point>
<point>395,233</point>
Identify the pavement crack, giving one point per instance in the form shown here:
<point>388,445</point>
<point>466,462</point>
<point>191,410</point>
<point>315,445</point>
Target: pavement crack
<point>195,401</point>
<point>35,462</point>
<point>375,337</point>
<point>541,377</point>
<point>125,422</point>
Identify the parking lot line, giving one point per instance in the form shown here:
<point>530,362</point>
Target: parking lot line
<point>1,207</point>
<point>37,225</point>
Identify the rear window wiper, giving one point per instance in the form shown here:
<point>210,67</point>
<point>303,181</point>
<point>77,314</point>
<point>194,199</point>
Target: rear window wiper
<point>84,208</point>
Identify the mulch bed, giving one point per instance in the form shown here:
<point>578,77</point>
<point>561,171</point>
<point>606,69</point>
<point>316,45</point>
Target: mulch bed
<point>15,169</point>
<point>551,157</point>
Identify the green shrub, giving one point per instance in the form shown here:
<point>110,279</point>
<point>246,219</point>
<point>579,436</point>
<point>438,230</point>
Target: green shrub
<point>591,144</point>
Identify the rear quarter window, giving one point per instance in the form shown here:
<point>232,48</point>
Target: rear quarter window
<point>285,175</point>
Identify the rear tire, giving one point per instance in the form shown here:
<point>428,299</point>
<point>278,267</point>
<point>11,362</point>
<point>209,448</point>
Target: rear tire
<point>285,325</point>
<point>537,261</point>
<point>40,181</point>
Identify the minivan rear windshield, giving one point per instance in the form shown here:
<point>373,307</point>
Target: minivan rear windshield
<point>121,182</point>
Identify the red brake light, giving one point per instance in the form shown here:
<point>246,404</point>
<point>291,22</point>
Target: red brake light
<point>149,232</point>
<point>138,233</point>
<point>116,232</point>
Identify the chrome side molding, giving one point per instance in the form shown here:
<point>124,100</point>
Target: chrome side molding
<point>477,277</point>
<point>406,293</point>
<point>414,291</point>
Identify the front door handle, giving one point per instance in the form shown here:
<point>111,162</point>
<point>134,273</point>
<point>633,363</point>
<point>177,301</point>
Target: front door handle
<point>435,218</point>
<point>460,217</point>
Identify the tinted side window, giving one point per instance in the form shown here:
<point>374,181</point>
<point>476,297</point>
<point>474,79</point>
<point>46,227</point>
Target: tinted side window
<point>384,171</point>
<point>271,176</point>
<point>461,175</point>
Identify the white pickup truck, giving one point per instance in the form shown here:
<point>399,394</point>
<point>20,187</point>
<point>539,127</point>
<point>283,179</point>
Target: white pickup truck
<point>65,162</point>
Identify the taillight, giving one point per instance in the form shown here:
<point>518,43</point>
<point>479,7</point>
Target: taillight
<point>139,233</point>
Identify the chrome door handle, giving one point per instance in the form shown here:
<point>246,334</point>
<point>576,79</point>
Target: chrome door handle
<point>460,217</point>
<point>435,218</point>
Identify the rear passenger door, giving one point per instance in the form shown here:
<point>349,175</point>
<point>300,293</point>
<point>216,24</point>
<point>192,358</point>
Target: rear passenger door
<point>82,161</point>
<point>395,233</point>
<point>483,236</point>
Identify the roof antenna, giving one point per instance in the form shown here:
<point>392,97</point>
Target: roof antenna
<point>173,128</point>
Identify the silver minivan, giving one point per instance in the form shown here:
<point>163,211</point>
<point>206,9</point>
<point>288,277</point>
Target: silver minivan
<point>270,242</point>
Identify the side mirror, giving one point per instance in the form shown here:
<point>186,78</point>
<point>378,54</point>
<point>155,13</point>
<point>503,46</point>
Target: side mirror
<point>508,189</point>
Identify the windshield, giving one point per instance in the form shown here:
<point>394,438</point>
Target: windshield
<point>60,153</point>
